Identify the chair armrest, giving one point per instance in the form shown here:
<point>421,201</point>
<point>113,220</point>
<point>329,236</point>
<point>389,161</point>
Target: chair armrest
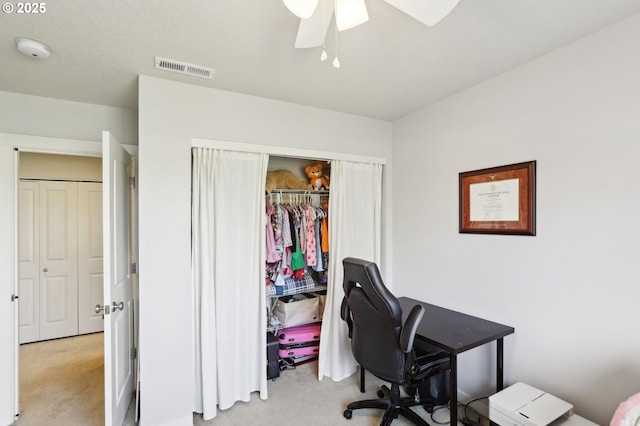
<point>344,309</point>
<point>410,327</point>
<point>345,314</point>
<point>428,365</point>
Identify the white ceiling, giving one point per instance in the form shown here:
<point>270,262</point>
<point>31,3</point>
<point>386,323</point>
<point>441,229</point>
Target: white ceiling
<point>391,65</point>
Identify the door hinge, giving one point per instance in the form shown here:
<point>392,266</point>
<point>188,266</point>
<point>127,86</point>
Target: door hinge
<point>134,353</point>
<point>134,268</point>
<point>132,182</point>
<point>14,297</point>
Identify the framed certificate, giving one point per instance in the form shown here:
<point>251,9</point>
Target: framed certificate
<point>499,200</point>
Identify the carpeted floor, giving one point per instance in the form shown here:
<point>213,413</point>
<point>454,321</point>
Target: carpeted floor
<point>62,382</point>
<point>298,398</point>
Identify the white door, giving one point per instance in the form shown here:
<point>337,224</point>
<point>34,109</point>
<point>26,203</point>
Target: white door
<point>90,259</point>
<point>58,259</point>
<point>118,319</point>
<point>29,261</point>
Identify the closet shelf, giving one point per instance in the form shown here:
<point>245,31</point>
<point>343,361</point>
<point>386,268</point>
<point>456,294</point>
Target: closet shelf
<point>273,298</point>
<point>317,287</point>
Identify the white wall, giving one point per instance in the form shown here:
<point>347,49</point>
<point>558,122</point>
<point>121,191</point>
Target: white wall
<point>171,114</point>
<point>54,118</point>
<point>572,292</point>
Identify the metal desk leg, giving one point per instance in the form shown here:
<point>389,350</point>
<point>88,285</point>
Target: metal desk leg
<point>500,365</point>
<point>453,391</point>
<point>361,379</point>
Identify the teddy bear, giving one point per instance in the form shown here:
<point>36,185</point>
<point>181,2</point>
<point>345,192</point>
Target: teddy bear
<point>317,179</point>
<point>284,179</point>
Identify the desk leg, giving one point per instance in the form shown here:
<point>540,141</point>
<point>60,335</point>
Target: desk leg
<point>453,390</point>
<point>361,379</point>
<point>500,365</point>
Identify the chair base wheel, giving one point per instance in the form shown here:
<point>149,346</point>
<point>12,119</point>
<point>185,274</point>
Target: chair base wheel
<point>347,414</point>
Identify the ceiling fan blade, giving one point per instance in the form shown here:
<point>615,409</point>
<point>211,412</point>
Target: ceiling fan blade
<point>350,13</point>
<point>429,12</point>
<point>301,8</point>
<point>312,31</point>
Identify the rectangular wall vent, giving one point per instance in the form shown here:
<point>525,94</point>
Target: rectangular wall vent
<point>184,68</point>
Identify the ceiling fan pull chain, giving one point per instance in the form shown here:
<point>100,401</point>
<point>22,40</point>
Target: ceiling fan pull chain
<point>336,62</point>
<point>323,55</point>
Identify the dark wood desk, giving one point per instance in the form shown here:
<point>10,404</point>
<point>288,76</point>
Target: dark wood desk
<point>455,333</point>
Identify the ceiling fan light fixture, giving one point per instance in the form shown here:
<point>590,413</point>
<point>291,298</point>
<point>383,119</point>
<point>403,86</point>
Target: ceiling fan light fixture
<point>350,13</point>
<point>301,8</point>
<point>429,12</point>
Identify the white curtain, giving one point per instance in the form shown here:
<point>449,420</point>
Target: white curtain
<point>228,227</point>
<point>355,207</point>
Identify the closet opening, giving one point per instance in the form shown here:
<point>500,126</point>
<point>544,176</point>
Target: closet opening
<point>297,260</point>
<point>230,280</point>
<point>59,253</point>
<point>229,207</point>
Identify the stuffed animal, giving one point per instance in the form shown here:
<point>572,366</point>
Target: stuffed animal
<point>317,179</point>
<point>284,179</point>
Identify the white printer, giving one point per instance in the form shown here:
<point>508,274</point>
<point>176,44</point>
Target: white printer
<point>524,405</point>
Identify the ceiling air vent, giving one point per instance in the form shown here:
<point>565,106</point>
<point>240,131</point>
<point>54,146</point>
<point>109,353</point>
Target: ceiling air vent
<point>184,68</point>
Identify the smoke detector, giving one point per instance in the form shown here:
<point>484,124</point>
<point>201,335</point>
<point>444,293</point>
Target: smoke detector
<point>32,48</point>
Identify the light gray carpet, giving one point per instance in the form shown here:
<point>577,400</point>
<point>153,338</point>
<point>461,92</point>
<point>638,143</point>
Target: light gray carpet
<point>62,382</point>
<point>298,398</point>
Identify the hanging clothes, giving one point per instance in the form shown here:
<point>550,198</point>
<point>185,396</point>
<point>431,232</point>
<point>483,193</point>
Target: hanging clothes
<point>297,260</point>
<point>325,235</point>
<point>310,231</point>
<point>297,238</point>
<point>272,253</point>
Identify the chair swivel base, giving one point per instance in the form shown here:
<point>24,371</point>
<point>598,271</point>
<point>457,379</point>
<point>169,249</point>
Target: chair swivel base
<point>393,405</point>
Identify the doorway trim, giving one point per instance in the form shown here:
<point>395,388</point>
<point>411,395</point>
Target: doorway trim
<point>9,191</point>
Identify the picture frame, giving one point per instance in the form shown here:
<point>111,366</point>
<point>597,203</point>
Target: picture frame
<point>498,200</point>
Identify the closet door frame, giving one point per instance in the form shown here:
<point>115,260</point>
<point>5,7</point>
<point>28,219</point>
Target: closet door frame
<point>88,278</point>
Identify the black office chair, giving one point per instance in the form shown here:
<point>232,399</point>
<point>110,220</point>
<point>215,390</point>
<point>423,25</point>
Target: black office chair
<point>383,345</point>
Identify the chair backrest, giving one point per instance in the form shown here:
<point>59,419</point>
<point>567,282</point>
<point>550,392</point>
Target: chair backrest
<point>375,321</point>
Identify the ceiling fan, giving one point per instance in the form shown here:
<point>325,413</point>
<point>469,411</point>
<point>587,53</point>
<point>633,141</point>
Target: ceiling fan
<point>316,15</point>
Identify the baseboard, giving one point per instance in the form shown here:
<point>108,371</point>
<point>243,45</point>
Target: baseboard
<point>186,421</point>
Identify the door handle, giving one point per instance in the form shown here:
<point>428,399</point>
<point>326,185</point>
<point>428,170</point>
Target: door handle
<point>115,306</point>
<point>45,270</point>
<point>99,308</point>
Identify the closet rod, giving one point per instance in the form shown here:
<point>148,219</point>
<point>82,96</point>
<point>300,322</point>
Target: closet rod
<point>300,191</point>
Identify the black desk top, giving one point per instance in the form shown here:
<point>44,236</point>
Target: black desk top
<point>453,331</point>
